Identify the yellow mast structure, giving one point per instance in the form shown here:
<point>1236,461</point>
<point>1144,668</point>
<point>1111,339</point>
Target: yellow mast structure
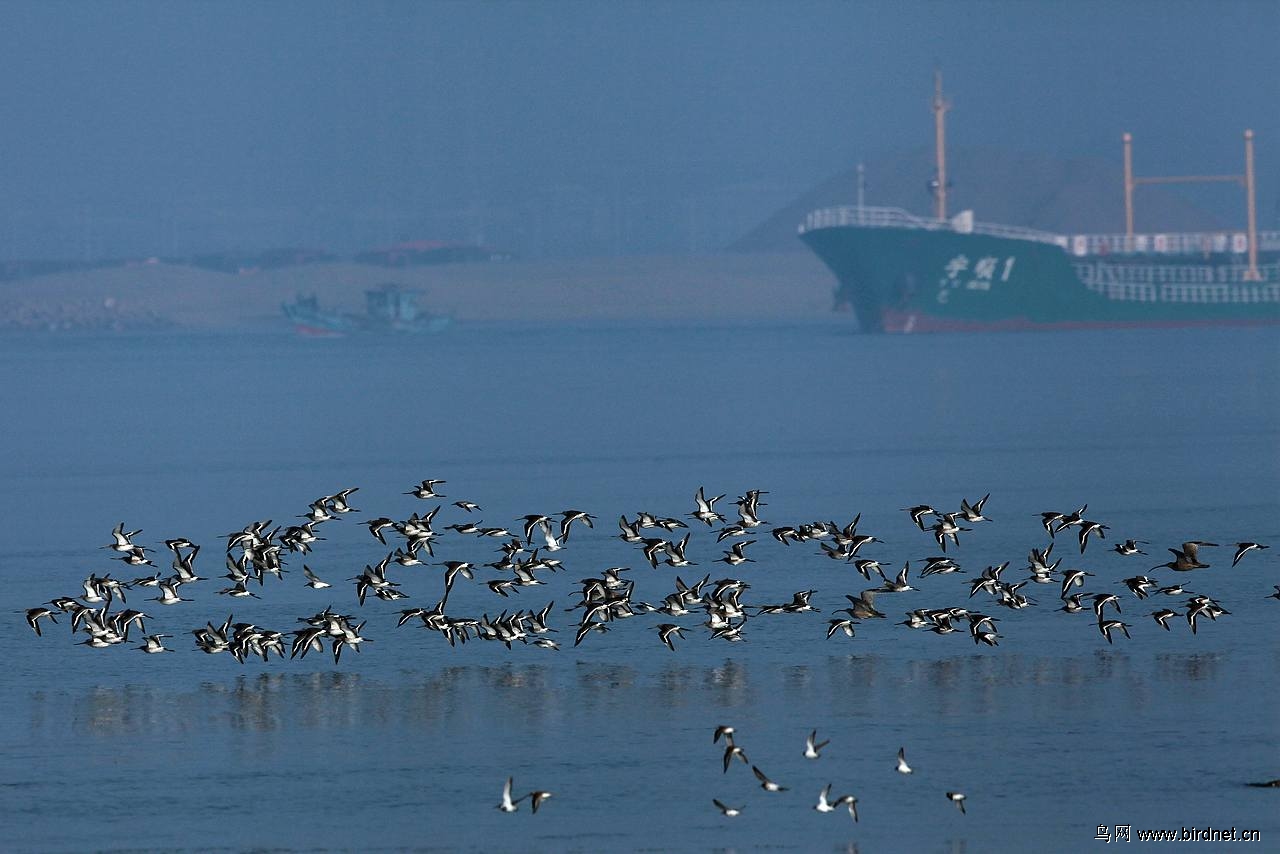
<point>1128,188</point>
<point>1130,182</point>
<point>1251,275</point>
<point>940,107</point>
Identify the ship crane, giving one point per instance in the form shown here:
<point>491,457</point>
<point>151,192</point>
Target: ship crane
<point>1251,274</point>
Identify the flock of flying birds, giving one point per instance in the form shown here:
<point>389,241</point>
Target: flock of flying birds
<point>526,556</point>
<point>812,750</point>
<point>733,751</point>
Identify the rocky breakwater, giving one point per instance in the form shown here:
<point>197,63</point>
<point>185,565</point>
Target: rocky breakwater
<point>76,314</point>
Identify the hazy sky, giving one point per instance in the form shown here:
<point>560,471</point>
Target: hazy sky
<point>562,127</point>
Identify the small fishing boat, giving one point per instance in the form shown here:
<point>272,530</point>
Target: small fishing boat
<point>389,309</point>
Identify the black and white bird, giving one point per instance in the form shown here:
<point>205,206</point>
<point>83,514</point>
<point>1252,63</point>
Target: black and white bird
<point>1087,528</point>
<point>122,540</point>
<point>946,528</point>
<point>726,810</point>
<point>506,804</point>
<point>813,747</point>
<point>899,584</point>
<point>765,783</point>
<point>169,594</point>
<point>536,797</point>
<point>1140,585</point>
<point>973,512</point>
<point>1102,600</point>
<point>153,644</point>
<point>1109,626</point>
<point>426,489</point>
<point>826,804</point>
<point>377,526</point>
<point>733,751</point>
<point>705,510</point>
<point>843,625</point>
<point>737,553</point>
<point>1243,549</point>
<point>34,615</point>
<point>1130,547</point>
<point>568,517</point>
<point>312,581</point>
<point>666,631</point>
<point>918,512</point>
<point>1073,578</point>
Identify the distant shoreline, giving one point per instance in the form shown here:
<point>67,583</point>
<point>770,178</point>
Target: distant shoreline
<point>791,286</point>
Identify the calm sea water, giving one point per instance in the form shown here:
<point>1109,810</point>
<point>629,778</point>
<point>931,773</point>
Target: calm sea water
<point>1168,436</point>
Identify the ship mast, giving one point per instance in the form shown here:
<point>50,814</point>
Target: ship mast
<point>1251,275</point>
<point>940,107</point>
<point>1128,190</point>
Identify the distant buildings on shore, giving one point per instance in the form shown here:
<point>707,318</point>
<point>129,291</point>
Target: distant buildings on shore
<point>409,254</point>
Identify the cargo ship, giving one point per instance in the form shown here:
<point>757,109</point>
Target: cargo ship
<point>899,272</point>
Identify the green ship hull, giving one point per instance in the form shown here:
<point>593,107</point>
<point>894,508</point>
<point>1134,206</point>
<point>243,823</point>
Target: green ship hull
<point>900,273</point>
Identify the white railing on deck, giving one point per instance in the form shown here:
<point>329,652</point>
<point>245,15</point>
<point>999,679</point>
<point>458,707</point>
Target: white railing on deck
<point>1184,293</point>
<point>872,217</point>
<point>1100,273</point>
<point>1183,243</point>
<point>1192,243</point>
